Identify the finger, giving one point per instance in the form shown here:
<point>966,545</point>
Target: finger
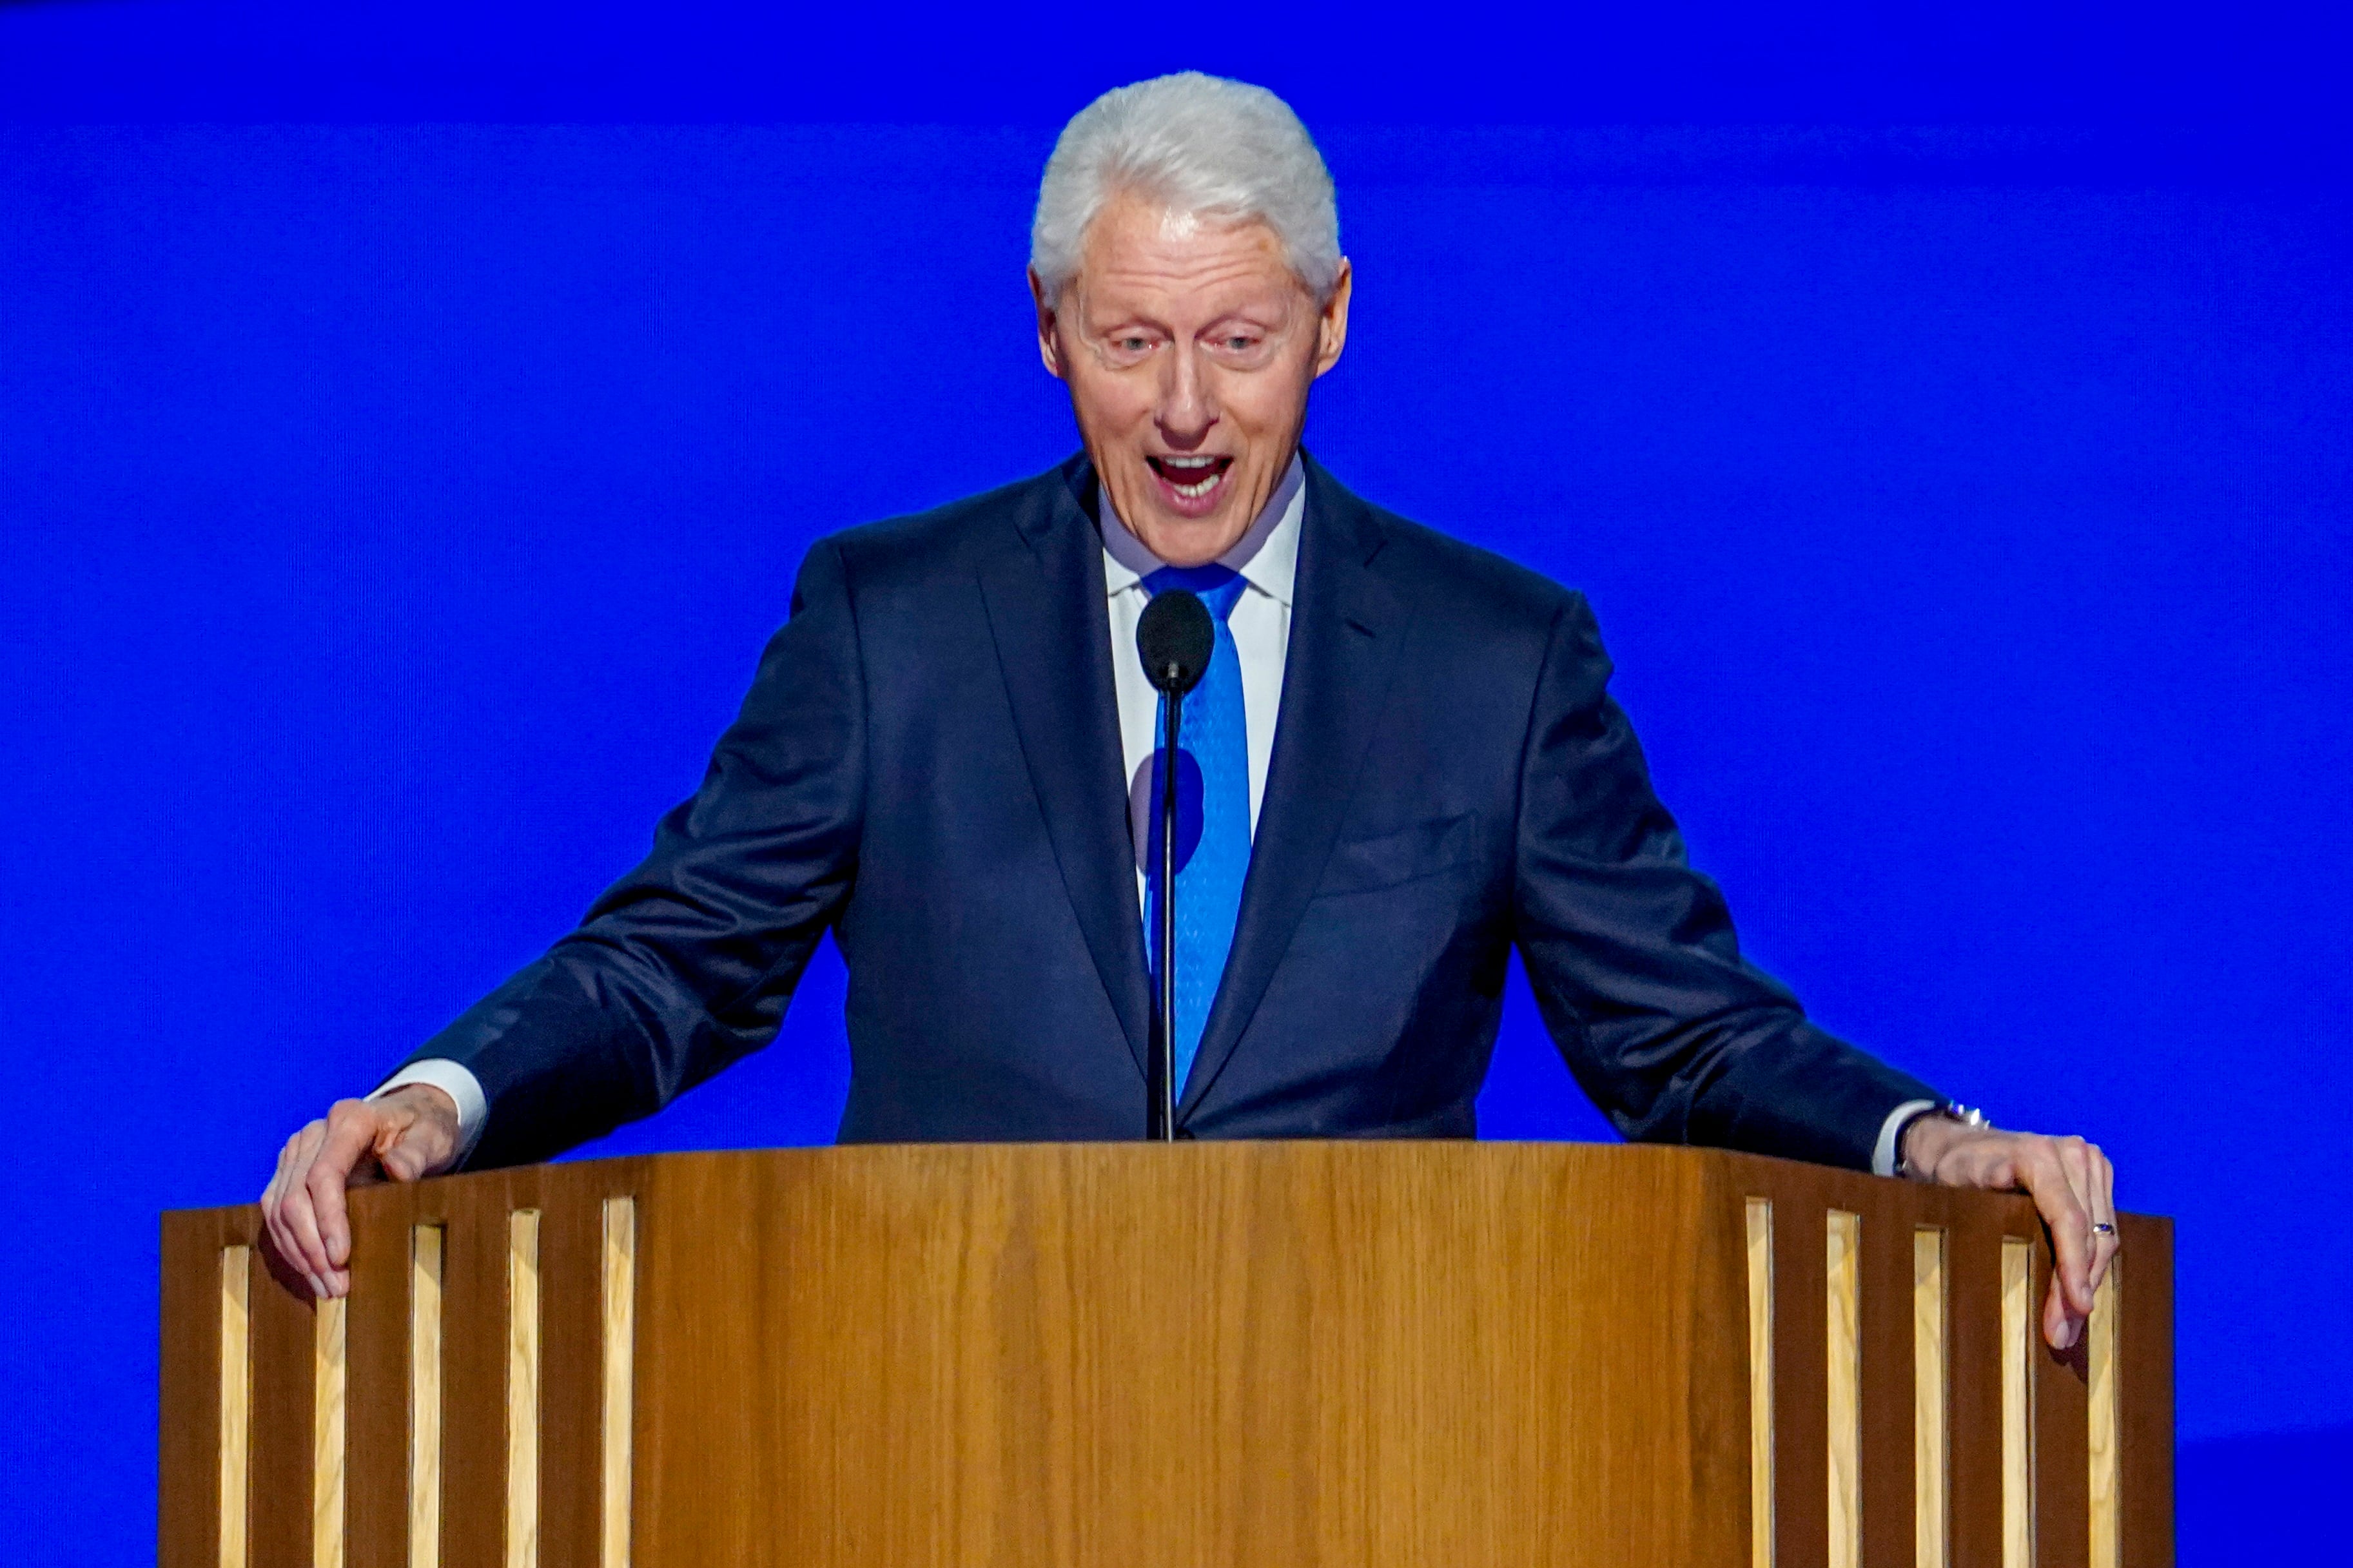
<point>396,1140</point>
<point>400,1161</point>
<point>297,1218</point>
<point>306,1147</point>
<point>2071,1240</point>
<point>2061,1322</point>
<point>299,1223</point>
<point>351,1129</point>
<point>2059,1167</point>
<point>272,1199</point>
<point>296,1232</point>
<point>2075,1160</point>
<point>2104,1212</point>
<point>419,1145</point>
<point>411,1156</point>
<point>277,1170</point>
<point>273,1208</point>
<point>270,1193</point>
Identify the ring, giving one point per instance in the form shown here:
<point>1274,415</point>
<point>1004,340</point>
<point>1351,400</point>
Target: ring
<point>2102,1227</point>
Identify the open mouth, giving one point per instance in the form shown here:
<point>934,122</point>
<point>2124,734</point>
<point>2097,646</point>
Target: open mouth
<point>1190,480</point>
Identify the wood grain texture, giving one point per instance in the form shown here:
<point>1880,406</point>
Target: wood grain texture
<point>2106,1494</point>
<point>2017,1347</point>
<point>618,1289</point>
<point>522,1389</point>
<point>189,1385</point>
<point>2060,1412</point>
<point>1973,1349</point>
<point>285,1373</point>
<point>1294,1355</point>
<point>571,1391</point>
<point>376,1406</point>
<point>1800,1372</point>
<point>2145,1385</point>
<point>1843,1367</point>
<point>329,1369</point>
<point>1760,1382</point>
<point>1931,1437</point>
<point>424,1499</point>
<point>1884,1342</point>
<point>1236,1328</point>
<point>472,1212</point>
<point>236,1402</point>
<point>1974,1224</point>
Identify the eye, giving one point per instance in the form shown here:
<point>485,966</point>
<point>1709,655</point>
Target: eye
<point>1132,344</point>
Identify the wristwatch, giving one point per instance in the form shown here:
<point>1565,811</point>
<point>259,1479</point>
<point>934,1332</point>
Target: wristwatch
<point>1950,1111</point>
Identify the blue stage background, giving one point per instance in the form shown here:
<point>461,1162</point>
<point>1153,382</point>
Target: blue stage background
<point>390,515</point>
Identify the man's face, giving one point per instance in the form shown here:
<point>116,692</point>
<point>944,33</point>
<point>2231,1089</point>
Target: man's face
<point>1188,346</point>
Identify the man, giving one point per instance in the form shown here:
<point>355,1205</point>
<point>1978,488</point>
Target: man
<point>1401,763</point>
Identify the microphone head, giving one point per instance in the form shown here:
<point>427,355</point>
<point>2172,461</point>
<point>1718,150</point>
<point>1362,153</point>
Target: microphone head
<point>1175,637</point>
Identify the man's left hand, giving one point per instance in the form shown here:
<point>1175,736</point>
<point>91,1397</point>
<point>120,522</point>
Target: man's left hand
<point>2071,1181</point>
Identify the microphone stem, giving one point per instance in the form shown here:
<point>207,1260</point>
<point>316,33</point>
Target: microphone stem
<point>1160,1114</point>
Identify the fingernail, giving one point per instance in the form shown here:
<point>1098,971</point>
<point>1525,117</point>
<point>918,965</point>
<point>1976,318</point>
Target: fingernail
<point>318,1285</point>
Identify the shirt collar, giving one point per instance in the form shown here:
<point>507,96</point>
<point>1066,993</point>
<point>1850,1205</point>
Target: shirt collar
<point>1267,556</point>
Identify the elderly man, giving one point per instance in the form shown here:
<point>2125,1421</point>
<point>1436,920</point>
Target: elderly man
<point>1401,762</point>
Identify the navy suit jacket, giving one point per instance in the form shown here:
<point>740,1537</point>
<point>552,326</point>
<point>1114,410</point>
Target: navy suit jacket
<point>929,764</point>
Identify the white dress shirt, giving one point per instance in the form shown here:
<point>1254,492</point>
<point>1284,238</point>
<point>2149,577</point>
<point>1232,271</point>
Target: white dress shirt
<point>1267,557</point>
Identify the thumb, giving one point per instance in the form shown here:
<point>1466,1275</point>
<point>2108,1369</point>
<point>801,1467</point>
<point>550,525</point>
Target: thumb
<point>413,1146</point>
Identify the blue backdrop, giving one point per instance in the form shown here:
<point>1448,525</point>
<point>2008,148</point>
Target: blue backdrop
<point>390,515</point>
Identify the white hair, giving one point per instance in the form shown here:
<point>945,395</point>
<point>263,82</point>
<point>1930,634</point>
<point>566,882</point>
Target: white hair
<point>1203,146</point>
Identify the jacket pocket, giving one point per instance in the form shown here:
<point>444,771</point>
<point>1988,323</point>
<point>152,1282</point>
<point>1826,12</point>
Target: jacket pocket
<point>1407,854</point>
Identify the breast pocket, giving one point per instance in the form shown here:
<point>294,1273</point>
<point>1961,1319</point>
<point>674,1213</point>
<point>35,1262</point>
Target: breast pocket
<point>1407,854</point>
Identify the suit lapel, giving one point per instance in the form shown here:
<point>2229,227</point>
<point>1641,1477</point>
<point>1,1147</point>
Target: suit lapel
<point>1346,628</point>
<point>1047,611</point>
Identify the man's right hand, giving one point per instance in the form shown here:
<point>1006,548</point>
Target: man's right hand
<point>406,1135</point>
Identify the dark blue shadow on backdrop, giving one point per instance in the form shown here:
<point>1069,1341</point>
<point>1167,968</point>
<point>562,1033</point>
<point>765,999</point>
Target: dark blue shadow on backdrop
<point>389,519</point>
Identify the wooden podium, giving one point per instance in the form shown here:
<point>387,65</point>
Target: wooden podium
<point>1444,1355</point>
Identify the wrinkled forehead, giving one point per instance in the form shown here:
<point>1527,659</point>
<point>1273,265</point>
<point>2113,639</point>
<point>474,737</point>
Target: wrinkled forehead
<point>1142,255</point>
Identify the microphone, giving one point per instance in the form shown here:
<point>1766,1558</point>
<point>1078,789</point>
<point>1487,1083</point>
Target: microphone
<point>1174,637</point>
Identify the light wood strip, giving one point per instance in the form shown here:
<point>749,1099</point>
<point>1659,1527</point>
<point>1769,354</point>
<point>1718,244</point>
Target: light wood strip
<point>1931,1436</point>
<point>2017,1403</point>
<point>328,1374</point>
<point>2107,1490</point>
<point>621,1301</point>
<point>1760,1383</point>
<point>425,1396</point>
<point>1843,1385</point>
<point>236,1402</point>
<point>522,1389</point>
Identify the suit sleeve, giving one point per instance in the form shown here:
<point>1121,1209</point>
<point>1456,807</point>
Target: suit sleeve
<point>686,963</point>
<point>1633,959</point>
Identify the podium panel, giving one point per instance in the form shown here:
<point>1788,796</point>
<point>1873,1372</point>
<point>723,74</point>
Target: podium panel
<point>1288,1353</point>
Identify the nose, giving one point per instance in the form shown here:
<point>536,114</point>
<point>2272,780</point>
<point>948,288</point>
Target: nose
<point>1189,407</point>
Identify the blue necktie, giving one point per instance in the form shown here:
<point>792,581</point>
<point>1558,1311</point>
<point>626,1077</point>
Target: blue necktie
<point>1213,826</point>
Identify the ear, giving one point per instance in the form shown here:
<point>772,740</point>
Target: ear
<point>1332,326</point>
<point>1050,348</point>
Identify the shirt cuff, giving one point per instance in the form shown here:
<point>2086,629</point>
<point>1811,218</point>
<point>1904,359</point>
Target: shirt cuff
<point>459,1084</point>
<point>1882,1154</point>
